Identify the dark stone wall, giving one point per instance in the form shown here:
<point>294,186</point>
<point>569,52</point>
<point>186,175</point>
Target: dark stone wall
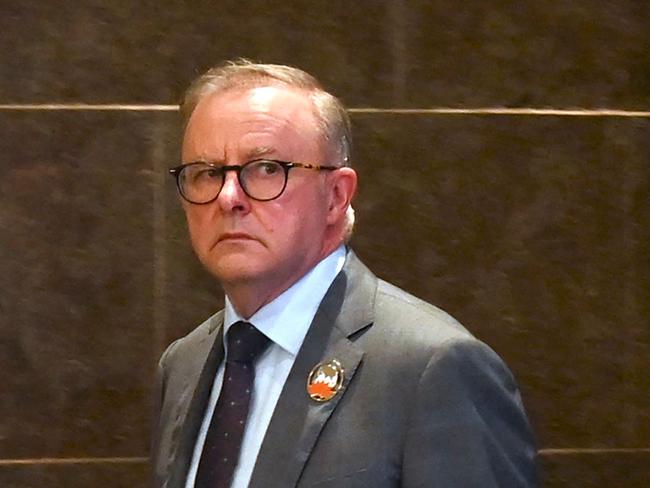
<point>531,229</point>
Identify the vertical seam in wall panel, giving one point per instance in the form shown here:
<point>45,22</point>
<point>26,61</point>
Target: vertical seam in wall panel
<point>629,315</point>
<point>397,25</point>
<point>160,309</point>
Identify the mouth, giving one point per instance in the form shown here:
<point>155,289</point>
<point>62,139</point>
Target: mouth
<point>235,236</point>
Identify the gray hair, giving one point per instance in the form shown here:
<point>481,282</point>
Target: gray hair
<point>242,73</point>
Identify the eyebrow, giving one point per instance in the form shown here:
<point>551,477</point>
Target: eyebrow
<point>254,153</point>
<point>259,151</point>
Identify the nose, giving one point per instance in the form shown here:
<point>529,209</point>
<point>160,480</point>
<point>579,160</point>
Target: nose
<point>232,196</point>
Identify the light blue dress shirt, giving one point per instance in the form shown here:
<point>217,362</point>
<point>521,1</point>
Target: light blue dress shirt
<point>285,321</point>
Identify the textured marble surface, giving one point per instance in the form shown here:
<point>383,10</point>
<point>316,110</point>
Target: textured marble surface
<point>533,232</point>
<point>76,285</point>
<point>597,470</point>
<point>569,53</point>
<point>149,51</point>
<point>130,475</point>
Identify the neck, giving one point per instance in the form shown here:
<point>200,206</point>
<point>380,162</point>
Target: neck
<point>247,299</point>
<point>248,296</point>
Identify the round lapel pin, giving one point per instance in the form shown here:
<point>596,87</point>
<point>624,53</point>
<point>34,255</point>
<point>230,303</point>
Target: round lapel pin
<point>325,380</point>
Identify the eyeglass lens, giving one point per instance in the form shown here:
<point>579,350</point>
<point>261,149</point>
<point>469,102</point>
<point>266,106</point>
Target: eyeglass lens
<point>261,180</point>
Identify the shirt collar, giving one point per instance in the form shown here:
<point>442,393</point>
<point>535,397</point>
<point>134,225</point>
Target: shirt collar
<point>286,319</point>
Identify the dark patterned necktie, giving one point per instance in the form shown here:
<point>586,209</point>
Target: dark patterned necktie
<point>223,441</point>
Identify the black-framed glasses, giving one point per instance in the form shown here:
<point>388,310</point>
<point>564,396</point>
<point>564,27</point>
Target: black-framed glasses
<point>261,179</point>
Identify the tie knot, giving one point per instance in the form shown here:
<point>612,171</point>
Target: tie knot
<point>245,343</point>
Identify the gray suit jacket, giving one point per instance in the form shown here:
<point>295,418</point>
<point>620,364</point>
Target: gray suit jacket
<point>423,404</point>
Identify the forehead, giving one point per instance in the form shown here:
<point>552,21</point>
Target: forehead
<point>239,119</point>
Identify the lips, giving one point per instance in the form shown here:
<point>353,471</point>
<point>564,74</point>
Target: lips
<point>232,236</point>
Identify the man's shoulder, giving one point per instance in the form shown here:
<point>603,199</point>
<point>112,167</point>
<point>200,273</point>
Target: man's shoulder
<point>422,334</point>
<point>403,308</point>
<point>397,315</point>
<point>197,339</point>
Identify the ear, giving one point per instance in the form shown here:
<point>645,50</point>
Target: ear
<point>342,188</point>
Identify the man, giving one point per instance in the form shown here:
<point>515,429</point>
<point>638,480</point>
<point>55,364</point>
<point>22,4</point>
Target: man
<point>349,381</point>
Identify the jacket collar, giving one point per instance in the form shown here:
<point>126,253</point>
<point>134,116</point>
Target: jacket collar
<point>346,310</point>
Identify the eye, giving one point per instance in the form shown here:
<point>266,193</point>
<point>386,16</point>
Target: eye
<point>269,167</point>
<point>264,168</point>
<point>199,174</point>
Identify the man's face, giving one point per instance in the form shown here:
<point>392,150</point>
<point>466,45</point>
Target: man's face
<point>243,242</point>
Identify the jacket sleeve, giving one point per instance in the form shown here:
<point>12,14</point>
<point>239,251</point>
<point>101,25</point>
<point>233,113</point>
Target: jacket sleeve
<point>159,393</point>
<point>468,427</point>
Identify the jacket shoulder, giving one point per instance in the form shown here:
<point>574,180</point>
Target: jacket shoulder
<point>411,313</point>
<point>186,347</point>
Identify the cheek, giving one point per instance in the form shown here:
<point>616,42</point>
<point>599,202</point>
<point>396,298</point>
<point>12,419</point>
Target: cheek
<point>279,226</point>
<point>199,228</point>
<point>304,226</point>
<point>276,219</point>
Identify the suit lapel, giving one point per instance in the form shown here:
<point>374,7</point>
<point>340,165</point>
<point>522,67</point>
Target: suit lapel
<point>298,420</point>
<point>212,346</point>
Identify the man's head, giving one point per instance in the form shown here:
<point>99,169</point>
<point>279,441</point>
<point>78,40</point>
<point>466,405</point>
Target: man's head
<point>255,242</point>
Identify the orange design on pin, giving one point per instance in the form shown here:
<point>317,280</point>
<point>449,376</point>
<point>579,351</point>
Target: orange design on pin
<point>325,380</point>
